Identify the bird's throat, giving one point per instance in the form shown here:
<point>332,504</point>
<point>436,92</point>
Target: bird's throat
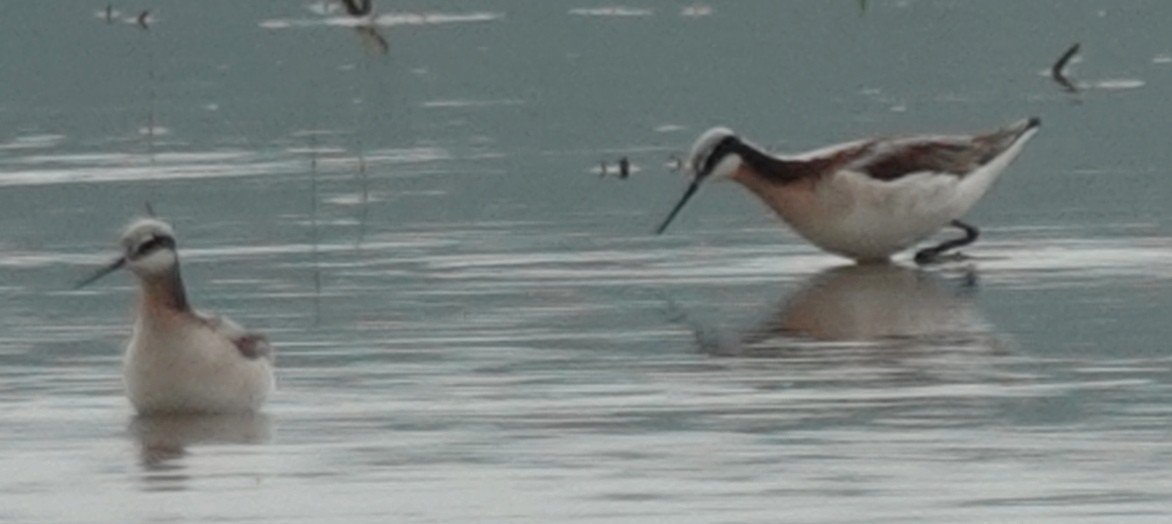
<point>163,293</point>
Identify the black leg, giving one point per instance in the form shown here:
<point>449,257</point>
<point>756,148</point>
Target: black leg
<point>932,254</point>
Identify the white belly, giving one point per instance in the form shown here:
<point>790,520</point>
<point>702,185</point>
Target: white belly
<point>868,220</point>
<point>192,370</point>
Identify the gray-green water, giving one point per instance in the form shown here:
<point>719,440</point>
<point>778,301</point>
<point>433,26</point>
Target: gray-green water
<point>479,329</point>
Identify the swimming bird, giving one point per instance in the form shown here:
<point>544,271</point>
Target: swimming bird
<point>869,199</point>
<point>623,168</point>
<point>180,360</point>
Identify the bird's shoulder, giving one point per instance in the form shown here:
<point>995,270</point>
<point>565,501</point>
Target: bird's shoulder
<point>251,345</point>
<point>894,158</point>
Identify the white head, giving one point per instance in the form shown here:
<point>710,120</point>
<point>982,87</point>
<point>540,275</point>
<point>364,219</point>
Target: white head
<point>148,245</point>
<point>148,250</point>
<point>716,152</point>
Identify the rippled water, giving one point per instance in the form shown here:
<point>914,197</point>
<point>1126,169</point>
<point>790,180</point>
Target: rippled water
<point>472,325</point>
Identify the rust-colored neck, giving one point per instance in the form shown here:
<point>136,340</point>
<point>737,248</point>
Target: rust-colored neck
<point>794,201</point>
<point>163,295</point>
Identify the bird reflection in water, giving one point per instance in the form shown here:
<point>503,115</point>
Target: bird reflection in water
<point>884,306</point>
<point>163,441</point>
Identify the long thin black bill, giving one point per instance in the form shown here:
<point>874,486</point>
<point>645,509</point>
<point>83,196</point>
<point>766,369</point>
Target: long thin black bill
<point>675,211</point>
<point>109,268</point>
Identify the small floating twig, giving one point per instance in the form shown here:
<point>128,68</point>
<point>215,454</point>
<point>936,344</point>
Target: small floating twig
<point>152,95</point>
<point>143,18</point>
<point>1058,72</point>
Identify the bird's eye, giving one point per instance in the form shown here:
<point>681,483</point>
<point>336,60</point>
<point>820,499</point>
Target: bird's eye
<point>147,246</point>
<point>700,161</point>
<point>712,156</point>
<point>707,161</point>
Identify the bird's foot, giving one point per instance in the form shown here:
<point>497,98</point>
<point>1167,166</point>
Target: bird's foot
<point>931,257</point>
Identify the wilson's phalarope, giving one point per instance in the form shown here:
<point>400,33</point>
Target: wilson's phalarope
<point>180,360</point>
<point>868,199</point>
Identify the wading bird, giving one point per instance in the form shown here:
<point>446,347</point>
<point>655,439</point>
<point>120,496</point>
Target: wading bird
<point>868,199</point>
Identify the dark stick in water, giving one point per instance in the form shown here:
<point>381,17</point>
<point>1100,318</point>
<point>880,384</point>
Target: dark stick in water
<point>1058,72</point>
<point>315,253</point>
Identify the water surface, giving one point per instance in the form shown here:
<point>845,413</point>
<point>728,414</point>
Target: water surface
<point>472,325</point>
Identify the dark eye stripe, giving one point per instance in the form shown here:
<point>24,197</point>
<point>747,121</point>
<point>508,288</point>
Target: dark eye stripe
<point>153,244</point>
<point>722,149</point>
